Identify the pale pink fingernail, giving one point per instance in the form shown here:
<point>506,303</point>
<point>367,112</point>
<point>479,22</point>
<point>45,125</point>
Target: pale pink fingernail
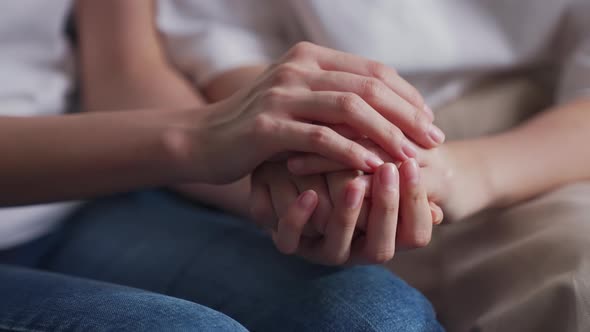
<point>436,135</point>
<point>388,176</point>
<point>306,200</point>
<point>353,197</point>
<point>408,150</point>
<point>374,162</point>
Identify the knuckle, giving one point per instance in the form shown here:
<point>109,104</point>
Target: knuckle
<point>273,97</point>
<point>418,197</point>
<point>349,102</point>
<point>302,50</point>
<point>320,135</point>
<point>415,98</point>
<point>285,73</point>
<point>372,88</point>
<point>264,124</point>
<point>395,135</point>
<point>420,121</point>
<point>350,148</point>
<point>380,71</point>
<point>388,207</point>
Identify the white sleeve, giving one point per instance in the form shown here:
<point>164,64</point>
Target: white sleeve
<point>575,74</point>
<point>206,37</point>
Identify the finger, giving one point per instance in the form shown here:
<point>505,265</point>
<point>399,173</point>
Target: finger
<point>346,131</point>
<point>321,140</point>
<point>261,209</point>
<point>414,123</point>
<point>415,229</point>
<point>350,109</point>
<point>333,60</point>
<point>324,208</point>
<point>306,164</point>
<point>361,223</point>
<point>379,246</point>
<point>283,193</point>
<point>437,213</point>
<point>291,225</point>
<point>334,249</point>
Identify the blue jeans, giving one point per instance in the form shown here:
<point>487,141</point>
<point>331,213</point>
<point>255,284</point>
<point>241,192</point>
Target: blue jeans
<point>151,261</point>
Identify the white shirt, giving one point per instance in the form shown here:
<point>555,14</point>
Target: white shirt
<point>35,79</point>
<point>439,46</point>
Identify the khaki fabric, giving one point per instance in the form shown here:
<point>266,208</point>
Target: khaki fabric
<point>524,268</point>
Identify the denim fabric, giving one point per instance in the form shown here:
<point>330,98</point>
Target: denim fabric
<point>143,261</point>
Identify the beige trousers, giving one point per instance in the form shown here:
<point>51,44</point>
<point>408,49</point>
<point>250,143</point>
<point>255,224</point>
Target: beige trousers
<point>524,268</point>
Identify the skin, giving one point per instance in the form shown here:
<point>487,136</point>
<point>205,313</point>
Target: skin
<point>399,210</point>
<point>139,146</point>
<point>496,171</point>
<point>275,189</point>
<point>465,177</point>
<point>90,154</point>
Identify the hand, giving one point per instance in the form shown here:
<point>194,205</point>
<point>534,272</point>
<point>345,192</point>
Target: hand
<point>290,109</point>
<point>454,179</point>
<point>336,246</point>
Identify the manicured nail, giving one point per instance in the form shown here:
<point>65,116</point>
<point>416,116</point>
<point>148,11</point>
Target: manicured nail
<point>409,150</point>
<point>374,162</point>
<point>306,200</point>
<point>436,134</point>
<point>413,172</point>
<point>388,176</point>
<point>353,197</point>
<point>429,111</point>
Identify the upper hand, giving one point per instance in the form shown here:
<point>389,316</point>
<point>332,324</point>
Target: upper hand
<point>290,107</point>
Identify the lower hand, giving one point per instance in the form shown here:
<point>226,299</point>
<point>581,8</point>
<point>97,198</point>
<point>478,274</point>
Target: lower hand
<point>408,220</point>
<point>453,176</point>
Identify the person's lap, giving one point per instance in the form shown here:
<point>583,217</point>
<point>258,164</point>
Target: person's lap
<point>524,268</point>
<point>158,243</point>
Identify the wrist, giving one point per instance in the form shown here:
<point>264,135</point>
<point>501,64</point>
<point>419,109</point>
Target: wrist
<point>183,143</point>
<point>469,178</point>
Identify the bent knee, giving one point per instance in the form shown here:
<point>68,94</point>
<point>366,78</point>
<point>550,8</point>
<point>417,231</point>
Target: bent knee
<point>152,312</point>
<point>366,298</point>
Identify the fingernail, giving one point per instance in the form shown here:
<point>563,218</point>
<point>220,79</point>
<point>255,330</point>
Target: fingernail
<point>354,197</point>
<point>374,162</point>
<point>412,172</point>
<point>306,200</point>
<point>388,177</point>
<point>436,134</point>
<point>429,111</point>
<point>409,151</point>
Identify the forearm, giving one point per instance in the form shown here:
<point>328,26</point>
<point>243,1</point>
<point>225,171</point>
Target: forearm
<point>80,156</point>
<point>121,71</point>
<point>542,154</point>
<point>123,64</point>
